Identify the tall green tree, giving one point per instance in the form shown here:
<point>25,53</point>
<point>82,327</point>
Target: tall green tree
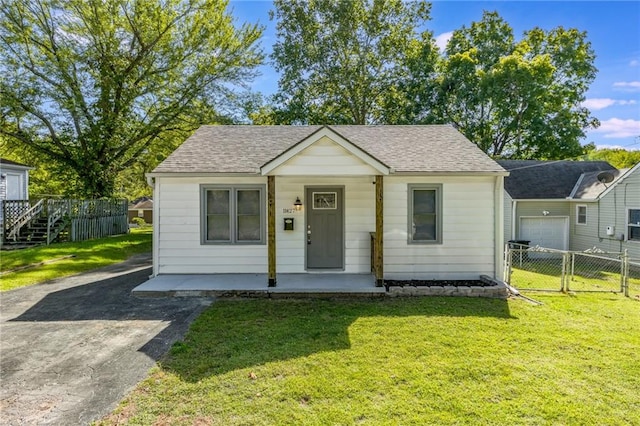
<point>345,61</point>
<point>517,99</point>
<point>95,85</point>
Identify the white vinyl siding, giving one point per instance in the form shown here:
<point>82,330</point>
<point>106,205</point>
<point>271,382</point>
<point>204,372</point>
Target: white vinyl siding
<point>179,248</point>
<point>324,158</point>
<point>468,230</point>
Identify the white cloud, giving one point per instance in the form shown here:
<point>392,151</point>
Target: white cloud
<point>595,104</point>
<point>631,147</point>
<point>443,39</point>
<point>627,85</point>
<point>616,128</point>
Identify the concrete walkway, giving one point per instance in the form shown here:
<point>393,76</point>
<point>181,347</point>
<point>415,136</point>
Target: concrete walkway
<point>255,285</point>
<point>72,348</point>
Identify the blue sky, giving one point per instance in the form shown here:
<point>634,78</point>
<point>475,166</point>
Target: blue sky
<point>613,28</point>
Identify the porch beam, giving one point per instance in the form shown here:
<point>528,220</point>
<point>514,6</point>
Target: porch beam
<point>271,229</point>
<point>379,259</point>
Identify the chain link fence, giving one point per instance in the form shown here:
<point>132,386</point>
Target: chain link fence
<point>542,269</point>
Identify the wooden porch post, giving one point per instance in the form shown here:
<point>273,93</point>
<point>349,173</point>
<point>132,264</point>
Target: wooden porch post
<point>271,228</point>
<point>379,270</point>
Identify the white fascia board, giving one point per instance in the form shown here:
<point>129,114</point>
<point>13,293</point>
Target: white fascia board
<point>316,136</point>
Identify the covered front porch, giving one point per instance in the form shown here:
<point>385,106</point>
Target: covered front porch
<point>256,285</point>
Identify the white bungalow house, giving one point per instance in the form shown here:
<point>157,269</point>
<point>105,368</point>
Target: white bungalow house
<point>573,205</point>
<point>406,202</point>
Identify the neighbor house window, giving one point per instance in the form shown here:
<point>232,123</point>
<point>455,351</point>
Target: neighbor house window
<point>425,214</point>
<point>233,214</point>
<point>581,215</point>
<point>633,225</point>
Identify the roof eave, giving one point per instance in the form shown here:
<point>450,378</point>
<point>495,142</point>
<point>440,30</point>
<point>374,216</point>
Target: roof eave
<point>202,174</point>
<point>451,173</point>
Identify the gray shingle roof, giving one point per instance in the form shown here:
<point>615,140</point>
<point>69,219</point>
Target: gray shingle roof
<point>533,179</point>
<point>12,163</point>
<point>244,149</point>
<point>589,186</point>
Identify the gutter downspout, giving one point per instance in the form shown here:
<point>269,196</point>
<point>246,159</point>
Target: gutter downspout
<point>498,206</point>
<point>514,216</point>
<point>151,181</point>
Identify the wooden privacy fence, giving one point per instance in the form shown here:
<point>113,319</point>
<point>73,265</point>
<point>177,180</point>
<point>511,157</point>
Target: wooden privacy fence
<point>95,218</point>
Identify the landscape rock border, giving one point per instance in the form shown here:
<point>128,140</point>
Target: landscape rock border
<point>486,287</point>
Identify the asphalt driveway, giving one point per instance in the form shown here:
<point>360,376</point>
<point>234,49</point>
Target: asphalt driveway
<point>71,349</point>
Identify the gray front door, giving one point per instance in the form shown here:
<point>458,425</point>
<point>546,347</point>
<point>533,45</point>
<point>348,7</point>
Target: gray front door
<point>325,228</point>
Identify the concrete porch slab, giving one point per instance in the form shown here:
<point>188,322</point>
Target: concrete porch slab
<point>255,285</point>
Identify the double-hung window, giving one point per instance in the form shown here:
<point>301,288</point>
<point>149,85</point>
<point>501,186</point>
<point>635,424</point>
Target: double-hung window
<point>633,225</point>
<point>581,215</point>
<point>425,214</point>
<point>232,214</point>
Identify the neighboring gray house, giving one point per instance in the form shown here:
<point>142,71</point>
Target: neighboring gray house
<point>568,205</point>
<point>408,202</point>
<point>605,212</point>
<point>14,182</point>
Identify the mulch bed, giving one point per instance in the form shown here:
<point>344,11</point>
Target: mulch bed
<point>438,283</point>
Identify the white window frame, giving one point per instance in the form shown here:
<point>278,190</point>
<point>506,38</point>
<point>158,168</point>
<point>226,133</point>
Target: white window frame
<point>631,225</point>
<point>424,187</point>
<point>233,216</point>
<point>578,207</point>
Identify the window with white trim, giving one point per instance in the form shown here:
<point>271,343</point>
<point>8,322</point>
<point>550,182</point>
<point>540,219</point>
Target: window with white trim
<point>425,214</point>
<point>633,225</point>
<point>232,214</point>
<point>581,215</point>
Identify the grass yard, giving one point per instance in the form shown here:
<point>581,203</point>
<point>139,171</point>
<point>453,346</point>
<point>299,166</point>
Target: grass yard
<point>415,361</point>
<point>88,255</point>
<point>589,275</point>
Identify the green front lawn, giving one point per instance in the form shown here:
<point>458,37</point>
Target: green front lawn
<point>87,255</point>
<point>572,360</point>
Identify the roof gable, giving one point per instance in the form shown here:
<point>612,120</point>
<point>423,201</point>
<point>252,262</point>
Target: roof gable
<point>317,147</point>
<point>534,179</point>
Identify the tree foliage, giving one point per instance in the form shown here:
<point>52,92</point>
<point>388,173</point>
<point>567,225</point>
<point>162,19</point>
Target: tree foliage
<point>96,85</point>
<point>618,158</point>
<point>346,61</point>
<point>369,61</point>
<point>517,99</point>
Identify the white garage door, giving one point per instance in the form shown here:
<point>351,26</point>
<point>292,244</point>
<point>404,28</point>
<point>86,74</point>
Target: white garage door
<point>548,232</point>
